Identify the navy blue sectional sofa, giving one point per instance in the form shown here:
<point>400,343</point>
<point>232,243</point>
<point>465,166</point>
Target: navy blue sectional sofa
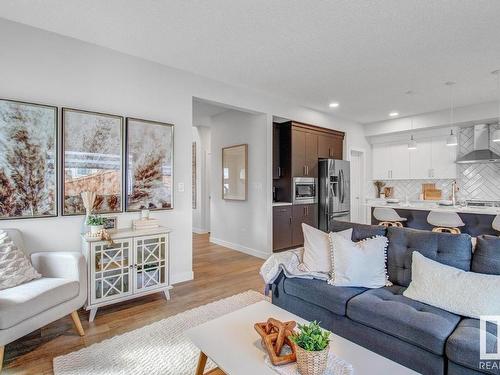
<point>419,336</point>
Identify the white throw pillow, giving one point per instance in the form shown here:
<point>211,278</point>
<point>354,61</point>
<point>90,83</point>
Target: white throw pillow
<point>464,293</point>
<point>359,264</point>
<point>316,256</point>
<point>15,268</point>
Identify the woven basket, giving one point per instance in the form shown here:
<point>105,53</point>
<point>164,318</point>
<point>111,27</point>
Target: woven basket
<point>311,363</point>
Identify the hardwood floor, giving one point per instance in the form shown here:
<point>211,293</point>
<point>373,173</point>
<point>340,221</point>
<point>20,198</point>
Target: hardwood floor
<point>218,272</point>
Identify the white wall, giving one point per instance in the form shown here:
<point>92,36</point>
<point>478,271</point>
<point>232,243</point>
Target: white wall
<point>240,225</point>
<point>43,67</point>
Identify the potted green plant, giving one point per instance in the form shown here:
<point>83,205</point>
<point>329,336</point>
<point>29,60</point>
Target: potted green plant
<point>96,223</point>
<point>311,347</point>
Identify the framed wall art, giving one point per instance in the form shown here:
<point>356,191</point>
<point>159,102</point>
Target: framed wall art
<point>149,165</point>
<point>92,146</point>
<point>111,223</point>
<point>235,172</point>
<point>28,160</point>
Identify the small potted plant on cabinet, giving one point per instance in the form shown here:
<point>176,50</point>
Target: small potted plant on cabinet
<point>311,346</point>
<point>96,224</point>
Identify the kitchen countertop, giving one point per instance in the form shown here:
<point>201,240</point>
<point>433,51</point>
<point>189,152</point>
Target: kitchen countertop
<point>277,204</point>
<point>430,205</point>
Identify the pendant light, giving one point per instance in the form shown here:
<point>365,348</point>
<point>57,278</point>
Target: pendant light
<point>452,139</point>
<point>412,145</point>
<point>496,133</point>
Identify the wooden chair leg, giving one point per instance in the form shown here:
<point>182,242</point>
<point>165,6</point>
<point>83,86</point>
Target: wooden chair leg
<point>202,361</point>
<point>2,349</point>
<point>77,323</point>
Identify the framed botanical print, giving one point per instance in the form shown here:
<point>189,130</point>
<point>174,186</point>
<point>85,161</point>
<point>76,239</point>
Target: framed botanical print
<point>28,160</point>
<point>149,165</point>
<point>92,160</point>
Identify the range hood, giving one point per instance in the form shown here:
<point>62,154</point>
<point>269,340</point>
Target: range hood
<point>482,152</point>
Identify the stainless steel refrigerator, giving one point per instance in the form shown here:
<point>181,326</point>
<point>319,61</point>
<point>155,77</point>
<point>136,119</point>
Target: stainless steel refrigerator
<point>333,192</point>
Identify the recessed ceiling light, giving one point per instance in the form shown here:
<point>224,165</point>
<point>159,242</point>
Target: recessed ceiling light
<point>333,105</point>
<point>394,114</point>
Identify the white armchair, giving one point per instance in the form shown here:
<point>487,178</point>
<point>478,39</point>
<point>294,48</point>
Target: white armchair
<point>60,291</point>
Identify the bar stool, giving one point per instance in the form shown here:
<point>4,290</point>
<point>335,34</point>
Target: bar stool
<point>388,217</point>
<point>496,223</point>
<point>445,222</point>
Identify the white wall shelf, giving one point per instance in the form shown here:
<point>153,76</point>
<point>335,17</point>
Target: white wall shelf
<point>136,264</point>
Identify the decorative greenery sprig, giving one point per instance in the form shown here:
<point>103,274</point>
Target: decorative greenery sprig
<point>95,220</point>
<point>311,337</point>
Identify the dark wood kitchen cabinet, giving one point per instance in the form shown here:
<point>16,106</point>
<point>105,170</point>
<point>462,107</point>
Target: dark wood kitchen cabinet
<point>276,152</point>
<point>304,153</point>
<point>287,224</point>
<point>330,146</point>
<point>282,227</point>
<point>302,213</point>
<point>296,150</point>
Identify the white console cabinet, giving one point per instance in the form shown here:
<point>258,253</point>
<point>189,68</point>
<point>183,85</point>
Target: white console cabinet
<point>135,265</point>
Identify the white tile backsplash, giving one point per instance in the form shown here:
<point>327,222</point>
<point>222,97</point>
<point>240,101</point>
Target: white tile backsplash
<point>411,189</point>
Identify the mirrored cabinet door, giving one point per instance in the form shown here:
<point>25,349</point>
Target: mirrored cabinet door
<point>111,270</point>
<point>151,257</point>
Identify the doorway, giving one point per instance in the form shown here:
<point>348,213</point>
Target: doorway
<point>357,158</point>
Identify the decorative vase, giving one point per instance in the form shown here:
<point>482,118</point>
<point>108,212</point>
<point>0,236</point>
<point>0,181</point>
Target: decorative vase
<point>95,229</point>
<point>144,214</point>
<point>312,363</point>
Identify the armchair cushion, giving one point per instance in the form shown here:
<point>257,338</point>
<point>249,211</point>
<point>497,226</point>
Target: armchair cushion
<point>29,299</point>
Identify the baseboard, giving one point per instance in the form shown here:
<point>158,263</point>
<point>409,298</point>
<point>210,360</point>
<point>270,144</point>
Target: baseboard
<point>199,231</point>
<point>181,277</point>
<point>240,248</point>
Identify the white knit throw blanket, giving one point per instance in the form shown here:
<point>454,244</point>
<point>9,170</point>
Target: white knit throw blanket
<point>290,262</point>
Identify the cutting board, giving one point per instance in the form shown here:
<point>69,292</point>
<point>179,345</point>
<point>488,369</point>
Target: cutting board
<point>428,187</point>
<point>432,194</point>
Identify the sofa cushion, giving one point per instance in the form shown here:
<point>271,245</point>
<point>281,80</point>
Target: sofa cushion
<point>462,346</point>
<point>317,292</point>
<point>359,231</point>
<point>32,298</point>
<point>451,249</point>
<point>387,310</point>
<point>486,258</point>
<point>469,294</point>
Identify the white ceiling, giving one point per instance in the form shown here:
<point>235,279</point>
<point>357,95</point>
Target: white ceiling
<point>364,54</point>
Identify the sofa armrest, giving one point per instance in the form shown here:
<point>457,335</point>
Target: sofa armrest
<point>65,265</point>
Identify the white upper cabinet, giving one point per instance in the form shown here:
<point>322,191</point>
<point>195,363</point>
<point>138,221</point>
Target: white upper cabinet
<point>381,159</point>
<point>421,160</point>
<point>431,160</point>
<point>443,159</point>
<point>391,161</point>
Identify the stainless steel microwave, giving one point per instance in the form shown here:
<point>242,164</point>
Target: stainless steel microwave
<point>304,190</point>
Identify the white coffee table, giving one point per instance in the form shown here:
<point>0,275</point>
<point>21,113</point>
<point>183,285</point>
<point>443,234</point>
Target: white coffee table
<point>233,344</point>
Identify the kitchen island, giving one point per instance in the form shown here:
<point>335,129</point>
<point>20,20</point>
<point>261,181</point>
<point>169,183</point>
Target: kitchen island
<point>477,220</point>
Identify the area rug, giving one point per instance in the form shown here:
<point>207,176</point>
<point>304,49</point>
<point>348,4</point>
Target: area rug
<point>159,348</point>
